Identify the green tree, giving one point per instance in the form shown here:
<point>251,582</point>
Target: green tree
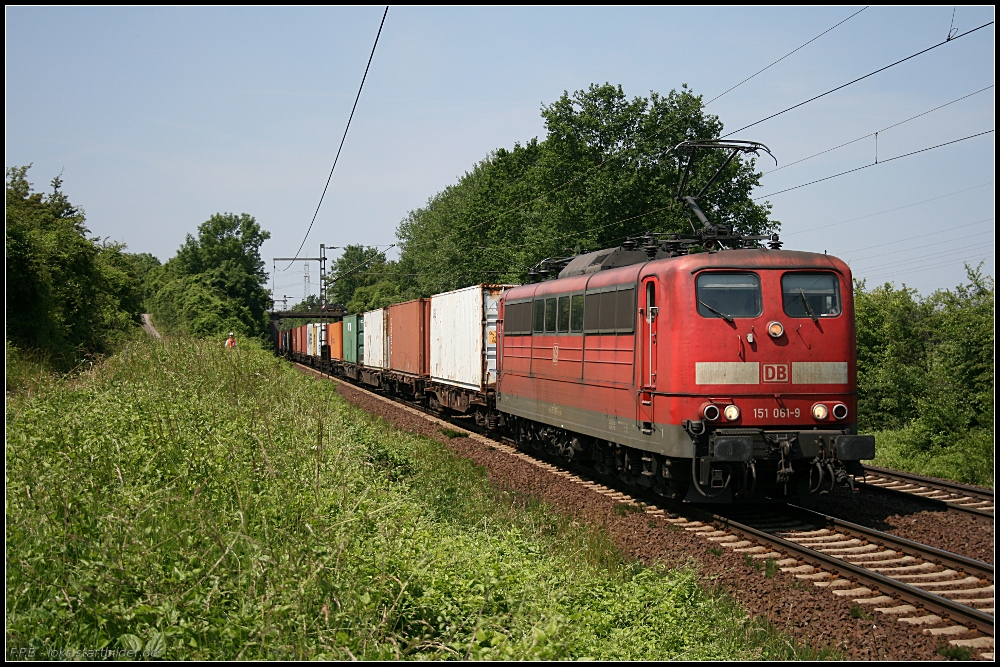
<point>892,355</point>
<point>67,295</point>
<point>926,362</point>
<point>959,384</point>
<point>358,266</point>
<point>216,282</point>
<point>145,267</point>
<point>381,294</point>
<point>606,170</point>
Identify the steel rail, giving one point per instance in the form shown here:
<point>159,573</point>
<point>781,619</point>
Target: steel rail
<point>925,551</point>
<point>932,483</point>
<point>879,582</point>
<point>956,487</point>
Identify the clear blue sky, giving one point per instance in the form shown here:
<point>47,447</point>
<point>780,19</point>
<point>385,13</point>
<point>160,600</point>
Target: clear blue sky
<point>158,118</point>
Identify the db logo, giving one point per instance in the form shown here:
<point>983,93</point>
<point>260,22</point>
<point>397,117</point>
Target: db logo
<point>775,372</point>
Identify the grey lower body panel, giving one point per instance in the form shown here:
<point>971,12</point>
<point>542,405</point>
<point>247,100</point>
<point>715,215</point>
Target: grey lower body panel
<point>667,439</point>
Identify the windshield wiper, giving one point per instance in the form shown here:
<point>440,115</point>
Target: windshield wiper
<point>808,307</point>
<point>717,312</point>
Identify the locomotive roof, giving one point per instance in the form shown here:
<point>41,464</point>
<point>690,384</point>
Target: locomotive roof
<point>743,259</point>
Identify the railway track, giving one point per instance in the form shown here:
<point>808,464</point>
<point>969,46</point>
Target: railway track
<point>944,594</point>
<point>952,586</point>
<point>952,495</point>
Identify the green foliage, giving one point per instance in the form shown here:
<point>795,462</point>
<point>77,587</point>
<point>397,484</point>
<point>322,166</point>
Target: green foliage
<point>859,612</point>
<point>371,297</point>
<point>145,266</point>
<point>216,504</point>
<point>68,296</point>
<point>954,652</point>
<point>216,282</point>
<point>624,509</point>
<point>358,266</point>
<point>966,457</point>
<point>604,171</point>
<point>925,377</point>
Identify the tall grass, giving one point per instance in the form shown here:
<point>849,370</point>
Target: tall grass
<point>204,503</point>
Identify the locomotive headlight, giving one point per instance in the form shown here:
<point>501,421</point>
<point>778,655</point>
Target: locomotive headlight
<point>820,411</point>
<point>710,412</point>
<point>775,330</point>
<point>840,411</point>
<point>732,413</point>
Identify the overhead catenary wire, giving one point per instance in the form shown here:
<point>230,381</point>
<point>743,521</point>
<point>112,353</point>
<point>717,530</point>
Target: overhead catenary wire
<point>937,244</point>
<point>874,164</point>
<point>877,132</point>
<point>890,210</point>
<point>860,78</point>
<point>342,140</point>
<point>609,157</point>
<point>919,259</point>
<point>910,238</point>
<point>761,71</point>
<point>969,260</point>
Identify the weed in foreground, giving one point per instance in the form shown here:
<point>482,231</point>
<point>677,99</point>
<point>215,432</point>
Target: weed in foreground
<point>213,504</point>
<point>624,509</point>
<point>859,612</point>
<point>954,652</point>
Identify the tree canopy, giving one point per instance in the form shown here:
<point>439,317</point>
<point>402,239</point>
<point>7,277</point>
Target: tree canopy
<point>68,295</point>
<point>926,361</point>
<point>606,170</point>
<point>216,281</point>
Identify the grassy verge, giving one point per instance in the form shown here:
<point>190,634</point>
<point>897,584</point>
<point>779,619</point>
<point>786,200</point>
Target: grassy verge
<point>195,502</point>
<point>967,459</point>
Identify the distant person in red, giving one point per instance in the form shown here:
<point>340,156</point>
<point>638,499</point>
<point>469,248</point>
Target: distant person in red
<point>231,341</point>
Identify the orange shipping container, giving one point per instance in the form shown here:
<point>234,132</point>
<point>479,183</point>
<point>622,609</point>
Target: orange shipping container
<point>409,337</point>
<point>335,339</point>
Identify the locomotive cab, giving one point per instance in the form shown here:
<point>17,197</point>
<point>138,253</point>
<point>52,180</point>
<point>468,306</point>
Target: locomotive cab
<point>753,353</point>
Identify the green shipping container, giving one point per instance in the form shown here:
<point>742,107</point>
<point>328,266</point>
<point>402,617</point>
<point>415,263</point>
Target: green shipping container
<point>354,339</point>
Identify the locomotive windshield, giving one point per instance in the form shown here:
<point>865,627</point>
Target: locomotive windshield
<point>812,295</point>
<point>729,295</point>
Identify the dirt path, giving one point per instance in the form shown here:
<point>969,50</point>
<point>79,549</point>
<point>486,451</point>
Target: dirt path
<point>147,325</point>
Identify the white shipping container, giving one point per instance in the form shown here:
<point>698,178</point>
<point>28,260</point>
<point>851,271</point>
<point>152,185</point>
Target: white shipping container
<point>375,343</point>
<point>464,336</point>
<point>309,340</point>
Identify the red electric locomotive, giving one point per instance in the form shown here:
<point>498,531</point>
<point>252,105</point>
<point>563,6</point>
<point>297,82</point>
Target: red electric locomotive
<point>707,376</point>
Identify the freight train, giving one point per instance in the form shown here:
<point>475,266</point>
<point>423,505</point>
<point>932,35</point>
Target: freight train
<point>706,366</point>
<point>708,376</point>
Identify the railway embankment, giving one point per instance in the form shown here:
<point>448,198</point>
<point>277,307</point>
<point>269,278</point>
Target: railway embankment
<point>192,502</point>
<point>766,589</point>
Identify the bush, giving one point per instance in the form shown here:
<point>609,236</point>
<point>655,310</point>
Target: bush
<point>216,282</point>
<point>925,377</point>
<point>68,296</point>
